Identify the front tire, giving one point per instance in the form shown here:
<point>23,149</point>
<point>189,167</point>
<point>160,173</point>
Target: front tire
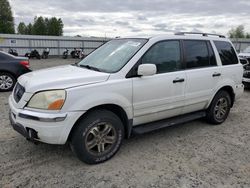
<point>219,108</point>
<point>7,82</point>
<point>97,137</point>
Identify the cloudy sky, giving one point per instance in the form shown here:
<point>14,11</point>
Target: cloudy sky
<point>112,18</point>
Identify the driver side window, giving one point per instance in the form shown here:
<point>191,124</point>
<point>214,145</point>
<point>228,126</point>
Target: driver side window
<point>165,55</point>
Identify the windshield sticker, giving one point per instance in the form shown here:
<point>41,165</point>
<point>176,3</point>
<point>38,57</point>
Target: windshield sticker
<point>134,44</point>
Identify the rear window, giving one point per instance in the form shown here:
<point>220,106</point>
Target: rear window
<point>2,56</point>
<point>227,53</point>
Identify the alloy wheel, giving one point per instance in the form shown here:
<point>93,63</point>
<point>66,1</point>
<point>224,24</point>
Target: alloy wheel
<point>100,138</point>
<point>6,82</point>
<point>221,108</point>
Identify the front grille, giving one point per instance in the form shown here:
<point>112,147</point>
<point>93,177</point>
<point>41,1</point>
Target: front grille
<point>246,74</point>
<point>18,92</point>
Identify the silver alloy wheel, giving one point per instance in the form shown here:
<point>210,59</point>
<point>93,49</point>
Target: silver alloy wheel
<point>100,138</point>
<point>221,108</point>
<point>6,82</point>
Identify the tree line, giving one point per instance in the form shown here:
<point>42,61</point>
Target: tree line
<point>40,26</point>
<point>238,32</point>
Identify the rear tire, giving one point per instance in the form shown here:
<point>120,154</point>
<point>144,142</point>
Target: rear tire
<point>97,137</point>
<point>7,81</point>
<point>219,108</point>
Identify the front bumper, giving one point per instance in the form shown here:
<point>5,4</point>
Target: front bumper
<point>51,128</point>
<point>246,82</point>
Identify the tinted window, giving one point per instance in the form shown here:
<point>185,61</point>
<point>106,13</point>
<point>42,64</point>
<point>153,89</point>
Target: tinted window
<point>165,55</point>
<point>196,54</point>
<point>227,53</point>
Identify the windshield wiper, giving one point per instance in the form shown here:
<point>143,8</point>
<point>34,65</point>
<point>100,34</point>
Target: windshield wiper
<point>89,67</point>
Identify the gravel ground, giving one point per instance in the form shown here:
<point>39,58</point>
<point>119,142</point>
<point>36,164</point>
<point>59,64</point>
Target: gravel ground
<point>194,154</point>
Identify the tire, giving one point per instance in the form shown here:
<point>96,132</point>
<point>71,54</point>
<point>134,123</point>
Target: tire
<point>97,137</point>
<point>219,108</point>
<point>7,81</point>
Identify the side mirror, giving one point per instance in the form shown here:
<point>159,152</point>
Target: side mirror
<point>146,70</point>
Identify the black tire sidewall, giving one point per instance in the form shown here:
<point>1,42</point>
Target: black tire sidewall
<point>13,79</point>
<point>79,135</point>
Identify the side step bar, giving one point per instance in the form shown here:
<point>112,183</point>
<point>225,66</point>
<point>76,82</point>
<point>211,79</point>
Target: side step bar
<point>145,128</point>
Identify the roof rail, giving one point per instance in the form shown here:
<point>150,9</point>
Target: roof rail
<point>203,34</point>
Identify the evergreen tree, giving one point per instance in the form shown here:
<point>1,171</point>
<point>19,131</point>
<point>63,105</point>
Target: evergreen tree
<point>55,27</point>
<point>6,18</point>
<point>39,27</point>
<point>21,29</point>
<point>29,29</point>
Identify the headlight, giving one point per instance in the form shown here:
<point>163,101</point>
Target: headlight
<point>48,100</point>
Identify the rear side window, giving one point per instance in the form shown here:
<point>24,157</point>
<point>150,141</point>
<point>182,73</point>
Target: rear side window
<point>198,54</point>
<point>2,56</point>
<point>227,53</point>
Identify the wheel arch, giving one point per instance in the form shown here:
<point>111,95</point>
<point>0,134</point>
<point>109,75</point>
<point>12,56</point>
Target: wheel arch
<point>116,109</point>
<point>9,72</point>
<point>230,91</point>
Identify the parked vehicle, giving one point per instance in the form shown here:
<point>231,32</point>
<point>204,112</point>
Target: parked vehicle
<point>11,67</point>
<point>65,53</point>
<point>81,54</point>
<point>13,52</point>
<point>73,53</point>
<point>245,54</point>
<point>45,53</point>
<point>33,54</point>
<point>243,61</point>
<point>246,73</point>
<point>77,53</point>
<point>128,86</point>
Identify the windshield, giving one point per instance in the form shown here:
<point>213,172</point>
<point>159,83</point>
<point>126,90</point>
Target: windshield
<point>247,50</point>
<point>113,55</point>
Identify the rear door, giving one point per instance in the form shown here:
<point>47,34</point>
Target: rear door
<point>202,73</point>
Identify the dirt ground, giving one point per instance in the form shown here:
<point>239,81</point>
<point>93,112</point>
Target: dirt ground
<point>194,154</point>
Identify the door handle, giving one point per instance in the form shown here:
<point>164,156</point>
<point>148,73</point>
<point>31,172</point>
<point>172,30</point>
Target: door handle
<point>216,74</point>
<point>178,80</point>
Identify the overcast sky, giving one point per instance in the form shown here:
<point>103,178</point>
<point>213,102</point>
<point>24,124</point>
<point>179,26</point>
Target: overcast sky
<point>135,17</point>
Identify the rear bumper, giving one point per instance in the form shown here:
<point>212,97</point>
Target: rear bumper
<point>51,128</point>
<point>239,89</point>
<point>23,71</point>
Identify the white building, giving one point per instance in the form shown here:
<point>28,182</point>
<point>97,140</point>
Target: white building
<point>56,44</point>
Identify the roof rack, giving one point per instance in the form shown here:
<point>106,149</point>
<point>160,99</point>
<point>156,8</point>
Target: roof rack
<point>203,34</point>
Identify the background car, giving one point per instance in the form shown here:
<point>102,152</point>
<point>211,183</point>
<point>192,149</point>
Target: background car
<point>11,67</point>
<point>245,54</point>
<point>243,61</point>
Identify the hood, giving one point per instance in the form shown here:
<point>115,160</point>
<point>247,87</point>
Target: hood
<point>61,77</point>
<point>244,54</point>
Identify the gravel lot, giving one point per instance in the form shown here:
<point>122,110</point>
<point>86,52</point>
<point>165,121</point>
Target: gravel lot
<point>194,154</point>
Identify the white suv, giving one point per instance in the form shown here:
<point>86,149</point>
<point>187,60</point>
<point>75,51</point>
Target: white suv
<point>128,85</point>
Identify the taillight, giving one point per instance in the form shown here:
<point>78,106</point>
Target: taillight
<point>25,63</point>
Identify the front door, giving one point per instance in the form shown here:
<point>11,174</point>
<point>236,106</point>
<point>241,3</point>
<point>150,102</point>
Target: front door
<point>161,95</point>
